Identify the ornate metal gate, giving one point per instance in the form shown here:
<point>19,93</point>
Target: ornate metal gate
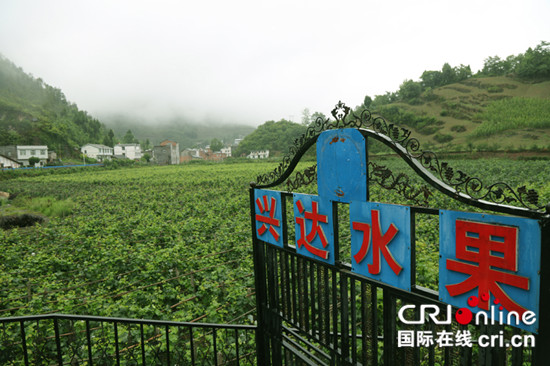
<point>336,273</point>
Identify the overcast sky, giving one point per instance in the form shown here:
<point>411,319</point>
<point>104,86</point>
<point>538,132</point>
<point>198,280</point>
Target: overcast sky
<point>249,61</point>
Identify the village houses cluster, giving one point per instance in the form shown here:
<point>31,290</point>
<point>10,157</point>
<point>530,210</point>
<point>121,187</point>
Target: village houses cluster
<point>166,153</point>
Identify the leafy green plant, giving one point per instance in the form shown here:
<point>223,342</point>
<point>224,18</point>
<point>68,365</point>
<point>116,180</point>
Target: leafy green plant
<point>513,113</point>
<point>49,206</point>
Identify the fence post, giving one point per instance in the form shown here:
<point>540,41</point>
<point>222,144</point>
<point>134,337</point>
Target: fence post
<point>24,342</point>
<point>262,344</point>
<point>389,314</point>
<point>57,341</point>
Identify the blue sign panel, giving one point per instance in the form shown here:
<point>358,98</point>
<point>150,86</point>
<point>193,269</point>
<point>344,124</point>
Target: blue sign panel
<point>381,242</point>
<point>491,263</point>
<point>268,214</point>
<point>342,165</point>
<point>313,223</point>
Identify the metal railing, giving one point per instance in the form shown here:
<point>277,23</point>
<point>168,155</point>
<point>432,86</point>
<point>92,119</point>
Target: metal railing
<point>91,340</point>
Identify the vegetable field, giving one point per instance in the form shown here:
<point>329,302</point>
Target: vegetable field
<point>172,242</point>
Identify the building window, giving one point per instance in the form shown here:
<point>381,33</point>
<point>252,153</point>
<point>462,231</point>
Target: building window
<point>43,152</point>
<point>23,152</point>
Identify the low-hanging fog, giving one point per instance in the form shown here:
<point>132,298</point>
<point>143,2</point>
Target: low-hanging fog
<point>248,61</point>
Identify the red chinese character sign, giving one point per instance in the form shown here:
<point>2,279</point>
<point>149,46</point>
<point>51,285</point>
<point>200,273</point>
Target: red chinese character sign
<point>313,224</point>
<point>492,259</point>
<point>380,242</point>
<point>268,215</point>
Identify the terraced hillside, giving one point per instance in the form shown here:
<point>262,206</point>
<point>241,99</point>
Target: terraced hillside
<point>489,113</point>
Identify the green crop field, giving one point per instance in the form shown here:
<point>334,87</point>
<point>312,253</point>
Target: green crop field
<point>170,242</point>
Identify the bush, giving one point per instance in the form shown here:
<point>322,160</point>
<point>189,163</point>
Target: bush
<point>458,128</point>
<point>33,160</point>
<point>442,138</point>
<point>495,89</point>
<point>429,130</point>
<point>11,221</point>
<point>402,117</point>
<point>49,206</point>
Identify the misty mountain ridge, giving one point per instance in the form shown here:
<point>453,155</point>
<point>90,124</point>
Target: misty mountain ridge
<point>35,113</point>
<point>179,129</point>
<point>504,106</point>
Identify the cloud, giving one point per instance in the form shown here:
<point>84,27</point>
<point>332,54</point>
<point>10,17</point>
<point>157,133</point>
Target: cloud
<point>252,61</point>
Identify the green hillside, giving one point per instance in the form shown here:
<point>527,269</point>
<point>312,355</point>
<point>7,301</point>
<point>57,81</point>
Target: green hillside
<point>494,113</point>
<point>505,106</point>
<point>33,112</point>
<point>484,113</point>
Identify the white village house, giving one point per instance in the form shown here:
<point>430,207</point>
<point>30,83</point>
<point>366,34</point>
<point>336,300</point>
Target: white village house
<point>97,151</point>
<point>129,151</point>
<point>262,154</point>
<point>6,162</point>
<point>226,151</point>
<point>22,153</point>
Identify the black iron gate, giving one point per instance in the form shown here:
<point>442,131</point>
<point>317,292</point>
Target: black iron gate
<point>318,310</point>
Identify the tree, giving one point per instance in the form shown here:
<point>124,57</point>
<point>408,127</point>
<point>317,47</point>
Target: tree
<point>272,136</point>
<point>109,139</point>
<point>410,90</point>
<point>447,74</point>
<point>318,116</point>
<point>146,145</point>
<point>33,160</point>
<point>535,63</point>
<point>146,157</point>
<point>431,79</point>
<point>367,101</point>
<point>216,145</point>
<point>462,72</point>
<point>129,138</point>
<point>306,118</point>
<point>380,100</point>
<point>495,66</point>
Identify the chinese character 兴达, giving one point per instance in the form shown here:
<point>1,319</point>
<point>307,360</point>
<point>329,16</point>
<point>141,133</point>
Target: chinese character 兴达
<point>267,220</point>
<point>316,229</point>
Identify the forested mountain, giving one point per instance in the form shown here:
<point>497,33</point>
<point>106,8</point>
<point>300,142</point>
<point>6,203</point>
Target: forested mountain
<point>33,112</point>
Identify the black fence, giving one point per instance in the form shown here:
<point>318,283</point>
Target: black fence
<point>321,315</point>
<point>58,339</point>
<point>312,312</point>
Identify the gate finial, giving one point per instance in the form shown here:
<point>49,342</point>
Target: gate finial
<point>340,111</point>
